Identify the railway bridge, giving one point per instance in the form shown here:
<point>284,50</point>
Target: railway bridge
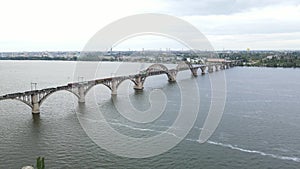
<point>35,98</point>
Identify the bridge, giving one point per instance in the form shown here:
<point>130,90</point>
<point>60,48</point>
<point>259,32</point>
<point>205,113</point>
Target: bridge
<point>35,98</point>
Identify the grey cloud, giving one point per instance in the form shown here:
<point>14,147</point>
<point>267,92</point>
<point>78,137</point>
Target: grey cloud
<point>219,7</point>
<point>269,27</point>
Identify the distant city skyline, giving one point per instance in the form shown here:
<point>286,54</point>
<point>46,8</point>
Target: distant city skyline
<point>54,25</point>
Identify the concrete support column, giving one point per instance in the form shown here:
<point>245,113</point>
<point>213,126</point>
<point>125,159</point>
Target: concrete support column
<point>35,104</point>
<point>221,66</point>
<point>194,71</point>
<point>217,67</point>
<point>81,94</point>
<point>203,68</point>
<point>113,87</point>
<point>210,69</point>
<point>139,84</point>
<point>172,76</point>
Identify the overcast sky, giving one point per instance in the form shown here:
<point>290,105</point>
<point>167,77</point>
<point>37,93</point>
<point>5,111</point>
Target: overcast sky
<point>56,25</point>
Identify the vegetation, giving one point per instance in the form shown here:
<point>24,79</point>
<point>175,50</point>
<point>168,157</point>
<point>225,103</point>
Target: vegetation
<point>40,163</point>
<point>247,58</point>
<point>265,59</point>
<point>38,58</point>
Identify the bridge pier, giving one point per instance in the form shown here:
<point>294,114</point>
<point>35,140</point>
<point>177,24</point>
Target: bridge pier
<point>222,66</point>
<point>139,84</point>
<point>217,67</point>
<point>194,71</point>
<point>226,66</point>
<point>172,76</point>
<point>229,65</point>
<point>35,104</point>
<point>203,69</point>
<point>232,64</point>
<point>210,69</point>
<point>81,94</point>
<point>113,87</point>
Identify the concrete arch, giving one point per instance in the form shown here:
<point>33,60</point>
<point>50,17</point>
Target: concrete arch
<point>134,82</point>
<point>182,66</point>
<point>121,81</point>
<point>28,104</point>
<point>158,67</point>
<point>50,93</point>
<point>187,66</point>
<point>90,87</point>
<point>202,61</point>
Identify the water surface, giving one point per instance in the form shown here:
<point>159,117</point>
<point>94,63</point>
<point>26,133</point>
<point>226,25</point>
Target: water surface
<point>260,126</point>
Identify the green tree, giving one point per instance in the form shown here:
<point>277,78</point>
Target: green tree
<point>40,163</point>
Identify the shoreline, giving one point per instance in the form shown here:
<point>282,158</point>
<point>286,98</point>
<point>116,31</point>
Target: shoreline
<point>68,60</point>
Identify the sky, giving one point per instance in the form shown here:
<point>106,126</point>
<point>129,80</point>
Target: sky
<point>67,25</point>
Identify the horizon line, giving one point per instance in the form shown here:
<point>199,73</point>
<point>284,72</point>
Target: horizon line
<point>153,50</point>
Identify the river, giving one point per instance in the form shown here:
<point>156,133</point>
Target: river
<point>260,127</point>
